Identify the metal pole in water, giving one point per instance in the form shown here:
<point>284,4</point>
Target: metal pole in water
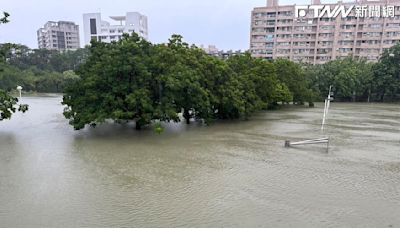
<point>326,108</point>
<point>323,118</point>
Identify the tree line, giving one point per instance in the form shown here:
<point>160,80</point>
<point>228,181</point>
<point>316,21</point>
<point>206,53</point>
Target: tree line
<point>359,80</point>
<point>135,80</point>
<point>38,70</point>
<point>41,70</point>
<point>155,82</point>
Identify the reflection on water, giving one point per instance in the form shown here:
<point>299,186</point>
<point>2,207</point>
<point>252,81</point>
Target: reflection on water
<point>230,174</point>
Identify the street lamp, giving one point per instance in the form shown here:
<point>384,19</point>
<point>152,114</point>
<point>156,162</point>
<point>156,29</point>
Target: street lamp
<point>19,88</point>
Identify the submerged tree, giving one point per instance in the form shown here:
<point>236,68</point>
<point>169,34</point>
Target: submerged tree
<point>259,83</point>
<point>134,80</point>
<point>114,84</point>
<point>294,77</point>
<point>386,76</point>
<point>8,106</point>
<point>350,78</point>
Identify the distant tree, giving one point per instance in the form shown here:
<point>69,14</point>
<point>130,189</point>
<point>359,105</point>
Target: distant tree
<point>350,78</point>
<point>293,76</point>
<point>386,76</point>
<point>258,82</point>
<point>37,70</point>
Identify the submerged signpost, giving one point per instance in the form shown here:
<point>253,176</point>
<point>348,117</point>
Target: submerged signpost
<point>324,117</point>
<point>326,108</point>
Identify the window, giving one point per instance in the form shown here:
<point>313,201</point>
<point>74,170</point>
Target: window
<point>326,35</point>
<point>325,19</point>
<point>285,13</point>
<point>346,34</point>
<point>325,43</point>
<point>348,26</point>
<point>284,44</point>
<point>393,25</point>
<point>93,28</point>
<point>269,37</point>
<point>271,22</point>
<point>375,26</point>
<point>345,42</point>
<point>284,36</point>
<point>269,45</point>
<point>270,29</point>
<point>285,29</point>
<point>324,51</point>
<point>327,27</point>
<point>345,50</point>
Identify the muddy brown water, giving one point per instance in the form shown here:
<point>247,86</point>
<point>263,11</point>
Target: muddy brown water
<point>229,174</point>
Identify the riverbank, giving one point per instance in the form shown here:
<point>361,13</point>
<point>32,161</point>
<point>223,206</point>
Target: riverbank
<point>35,94</point>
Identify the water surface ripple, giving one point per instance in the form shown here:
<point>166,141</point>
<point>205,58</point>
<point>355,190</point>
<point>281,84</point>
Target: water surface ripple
<point>229,174</point>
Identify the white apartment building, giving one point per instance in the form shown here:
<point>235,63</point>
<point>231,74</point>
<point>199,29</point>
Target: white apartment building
<point>95,28</point>
<point>61,36</point>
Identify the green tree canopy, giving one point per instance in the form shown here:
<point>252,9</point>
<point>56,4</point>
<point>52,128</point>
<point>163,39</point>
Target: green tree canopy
<point>386,76</point>
<point>7,103</point>
<point>134,80</point>
<point>349,77</point>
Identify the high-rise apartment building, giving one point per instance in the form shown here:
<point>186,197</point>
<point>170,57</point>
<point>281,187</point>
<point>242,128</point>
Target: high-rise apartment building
<point>61,36</point>
<point>95,28</point>
<point>313,36</point>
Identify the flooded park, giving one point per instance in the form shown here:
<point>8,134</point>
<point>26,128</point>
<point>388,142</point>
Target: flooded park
<point>228,174</point>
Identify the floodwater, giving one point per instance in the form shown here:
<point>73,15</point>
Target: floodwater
<point>229,174</point>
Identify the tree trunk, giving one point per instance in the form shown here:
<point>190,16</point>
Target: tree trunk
<point>369,95</point>
<point>186,115</point>
<point>138,126</point>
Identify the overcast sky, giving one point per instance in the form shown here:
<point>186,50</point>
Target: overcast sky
<point>224,23</point>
